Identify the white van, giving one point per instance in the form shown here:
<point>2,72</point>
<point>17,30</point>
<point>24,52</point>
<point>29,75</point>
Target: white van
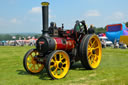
<point>108,42</point>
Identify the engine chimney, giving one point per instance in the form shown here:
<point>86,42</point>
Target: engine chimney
<point>45,15</point>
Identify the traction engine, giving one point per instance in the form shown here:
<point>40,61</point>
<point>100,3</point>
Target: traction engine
<point>57,49</point>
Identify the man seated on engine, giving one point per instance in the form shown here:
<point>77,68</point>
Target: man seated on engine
<point>53,29</point>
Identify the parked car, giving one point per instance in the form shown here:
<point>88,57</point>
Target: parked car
<point>107,42</point>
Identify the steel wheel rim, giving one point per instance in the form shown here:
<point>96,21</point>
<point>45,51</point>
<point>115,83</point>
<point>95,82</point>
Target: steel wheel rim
<point>32,64</point>
<point>94,51</point>
<point>59,65</point>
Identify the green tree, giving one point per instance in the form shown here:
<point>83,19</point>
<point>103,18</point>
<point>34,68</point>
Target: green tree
<point>126,24</point>
<point>37,35</point>
<point>5,37</point>
<point>100,30</point>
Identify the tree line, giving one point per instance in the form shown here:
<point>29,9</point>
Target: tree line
<point>37,35</point>
<point>17,36</point>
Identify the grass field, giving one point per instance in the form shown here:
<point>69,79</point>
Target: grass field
<point>113,70</point>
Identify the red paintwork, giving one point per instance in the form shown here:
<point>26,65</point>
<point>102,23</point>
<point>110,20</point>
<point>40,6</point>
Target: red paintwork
<point>41,42</point>
<point>64,43</point>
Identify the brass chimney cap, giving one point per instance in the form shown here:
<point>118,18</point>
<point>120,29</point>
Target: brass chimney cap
<point>44,3</point>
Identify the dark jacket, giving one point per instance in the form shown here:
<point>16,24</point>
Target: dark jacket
<point>91,31</point>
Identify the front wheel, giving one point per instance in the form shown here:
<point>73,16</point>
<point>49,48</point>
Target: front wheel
<point>32,63</point>
<point>58,64</point>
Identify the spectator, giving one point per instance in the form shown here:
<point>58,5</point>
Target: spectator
<point>103,43</point>
<point>91,29</point>
<point>116,44</point>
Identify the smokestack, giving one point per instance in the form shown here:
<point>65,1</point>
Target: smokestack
<point>45,15</point>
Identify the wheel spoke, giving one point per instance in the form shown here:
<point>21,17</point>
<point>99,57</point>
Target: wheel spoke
<point>28,59</point>
<point>38,65</point>
<point>55,71</point>
<point>55,58</point>
<point>28,63</point>
<point>93,42</point>
<point>96,58</point>
<point>96,48</point>
<point>51,66</point>
<point>60,57</point>
<point>52,60</point>
<point>31,56</point>
<point>62,68</point>
<point>64,62</point>
<point>34,67</point>
<point>90,43</point>
<point>91,59</point>
<point>89,49</point>
<point>61,71</point>
<point>31,67</point>
<point>90,55</point>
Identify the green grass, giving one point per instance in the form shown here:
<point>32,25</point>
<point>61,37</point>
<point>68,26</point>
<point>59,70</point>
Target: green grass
<point>113,70</point>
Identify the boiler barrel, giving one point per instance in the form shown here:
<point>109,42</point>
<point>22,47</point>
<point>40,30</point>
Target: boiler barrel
<point>46,44</point>
<point>64,44</point>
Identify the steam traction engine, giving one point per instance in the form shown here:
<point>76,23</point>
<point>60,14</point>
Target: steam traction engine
<point>57,50</point>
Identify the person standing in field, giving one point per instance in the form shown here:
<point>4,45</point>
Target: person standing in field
<point>91,30</point>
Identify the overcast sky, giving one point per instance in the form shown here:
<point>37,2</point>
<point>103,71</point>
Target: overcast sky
<point>18,16</point>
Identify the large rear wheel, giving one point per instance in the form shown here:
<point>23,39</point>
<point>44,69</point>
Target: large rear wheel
<point>90,51</point>
<point>32,63</point>
<point>58,64</point>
